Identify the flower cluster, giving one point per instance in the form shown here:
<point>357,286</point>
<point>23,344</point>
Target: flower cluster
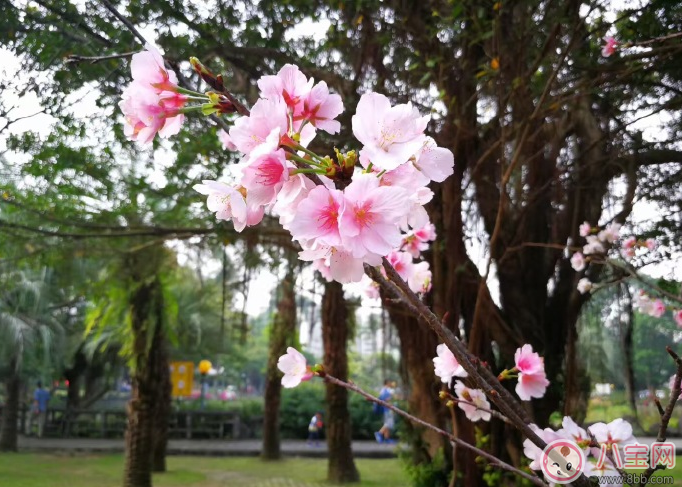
<point>377,211</point>
<point>151,103</point>
<point>617,432</point>
<point>532,380</point>
<point>609,46</point>
<point>598,243</point>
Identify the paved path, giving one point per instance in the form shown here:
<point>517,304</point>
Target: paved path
<point>219,448</point>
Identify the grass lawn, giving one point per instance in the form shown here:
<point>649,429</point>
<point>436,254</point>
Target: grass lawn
<point>36,470</point>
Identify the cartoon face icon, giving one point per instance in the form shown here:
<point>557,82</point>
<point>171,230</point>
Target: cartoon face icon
<point>562,461</point>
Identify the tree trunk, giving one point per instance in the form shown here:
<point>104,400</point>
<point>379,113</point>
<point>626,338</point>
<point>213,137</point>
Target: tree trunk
<point>282,335</point>
<point>139,441</point>
<point>10,412</point>
<point>341,467</point>
<point>162,405</point>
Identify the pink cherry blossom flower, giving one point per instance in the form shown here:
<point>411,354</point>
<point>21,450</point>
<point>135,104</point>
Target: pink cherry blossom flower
<point>390,135</point>
<point>593,246</point>
<point>266,116</point>
<point>677,316</point>
<point>643,303</point>
<point>650,244</point>
<point>618,432</point>
<point>289,84</point>
<point>264,176</point>
<point>609,47</point>
<point>436,163</point>
<point>147,114</point>
<point>532,380</point>
<point>148,68</point>
<point>584,285</point>
<point>401,262</point>
<point>629,243</point>
<point>294,367</point>
<point>657,308</point>
<point>607,470</point>
<point>343,266</point>
<point>369,223</point>
<point>225,139</point>
<point>475,404</point>
<point>575,433</point>
<point>527,361</point>
<point>320,108</point>
<point>446,365</point>
<point>585,229</point>
<point>419,280</point>
<point>532,451</point>
<point>317,216</point>
<point>295,190</point>
<point>226,201</point>
<point>416,241</point>
<point>531,385</point>
<point>578,262</point>
<point>610,233</point>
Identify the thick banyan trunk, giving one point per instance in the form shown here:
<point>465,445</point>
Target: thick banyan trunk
<point>162,405</point>
<point>139,439</point>
<point>282,335</point>
<point>341,467</point>
<point>10,412</point>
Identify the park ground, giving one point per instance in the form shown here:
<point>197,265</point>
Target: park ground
<point>40,470</point>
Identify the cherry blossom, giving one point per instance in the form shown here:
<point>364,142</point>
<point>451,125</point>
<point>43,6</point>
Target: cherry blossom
<point>226,201</point>
<point>148,68</point>
<point>420,279</point>
<point>585,229</point>
<point>446,365</point>
<point>295,368</point>
<point>147,114</point>
<point>402,263</point>
<point>618,432</point>
<point>266,116</point>
<point>532,451</point>
<point>369,222</point>
<point>226,141</point>
<point>578,261</point>
<point>321,108</point>
<point>584,285</point>
<point>606,470</point>
<point>343,266</point>
<point>650,244</point>
<point>593,246</point>
<point>532,379</point>
<point>477,399</point>
<point>290,84</point>
<point>317,216</point>
<point>657,308</point>
<point>609,46</point>
<point>265,172</point>
<point>436,163</point>
<point>610,233</point>
<point>390,135</point>
<point>572,431</point>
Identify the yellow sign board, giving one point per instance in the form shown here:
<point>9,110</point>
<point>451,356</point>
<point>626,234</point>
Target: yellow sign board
<point>182,378</point>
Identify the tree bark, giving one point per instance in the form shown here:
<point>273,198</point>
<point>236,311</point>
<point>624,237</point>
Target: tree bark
<point>162,405</point>
<point>282,335</point>
<point>10,412</point>
<point>341,467</point>
<point>139,434</point>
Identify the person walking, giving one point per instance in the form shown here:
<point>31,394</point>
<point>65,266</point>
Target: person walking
<point>314,428</point>
<point>41,398</point>
<point>386,394</point>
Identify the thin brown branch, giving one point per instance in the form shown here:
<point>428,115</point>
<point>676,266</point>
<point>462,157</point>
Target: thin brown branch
<point>482,453</point>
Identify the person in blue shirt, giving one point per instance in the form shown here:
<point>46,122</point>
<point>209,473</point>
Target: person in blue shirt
<point>386,394</point>
<point>41,398</point>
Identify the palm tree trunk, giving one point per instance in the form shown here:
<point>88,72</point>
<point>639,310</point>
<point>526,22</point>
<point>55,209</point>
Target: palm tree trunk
<point>10,412</point>
<point>341,467</point>
<point>139,443</point>
<point>283,331</point>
